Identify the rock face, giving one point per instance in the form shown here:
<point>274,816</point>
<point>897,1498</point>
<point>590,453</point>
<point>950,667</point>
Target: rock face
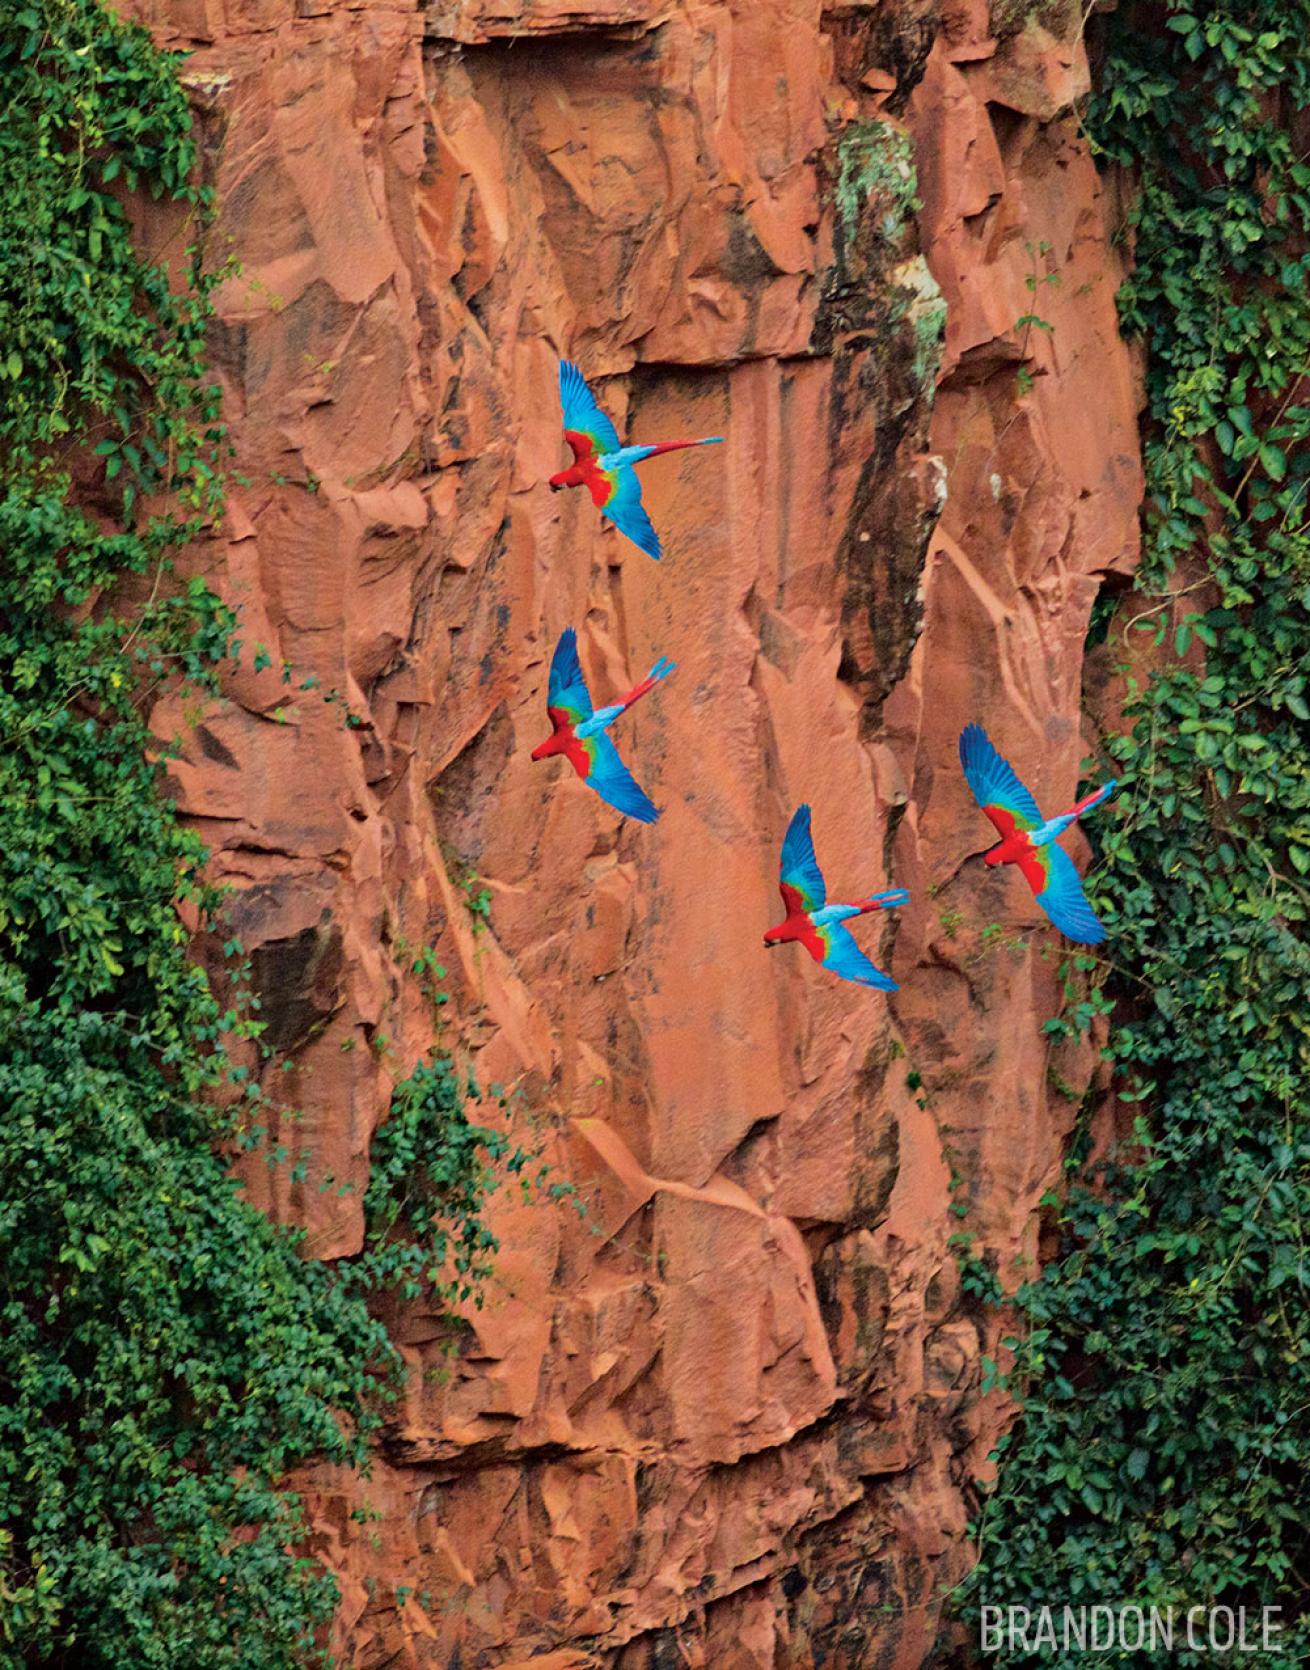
<point>731,1416</point>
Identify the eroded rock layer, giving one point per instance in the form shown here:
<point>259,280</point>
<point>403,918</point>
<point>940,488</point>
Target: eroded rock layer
<point>730,1417</point>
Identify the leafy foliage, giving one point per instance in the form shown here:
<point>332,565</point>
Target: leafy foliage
<point>168,1354</point>
<point>1165,1375</point>
<point>430,1170</point>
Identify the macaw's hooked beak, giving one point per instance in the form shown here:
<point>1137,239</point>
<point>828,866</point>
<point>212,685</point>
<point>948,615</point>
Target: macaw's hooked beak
<point>770,943</point>
<point>556,486</point>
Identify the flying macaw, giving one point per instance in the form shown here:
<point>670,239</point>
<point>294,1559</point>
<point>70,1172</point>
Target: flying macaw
<point>1028,839</point>
<point>818,926</point>
<point>603,466</point>
<point>579,732</point>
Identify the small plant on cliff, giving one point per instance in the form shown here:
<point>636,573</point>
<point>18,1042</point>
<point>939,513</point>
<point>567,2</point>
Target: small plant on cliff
<point>1027,323</point>
<point>1161,1451</point>
<point>477,896</point>
<point>430,1171</point>
<point>876,157</point>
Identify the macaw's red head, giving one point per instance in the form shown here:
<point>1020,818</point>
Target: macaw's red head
<point>992,857</point>
<point>545,749</point>
<point>775,936</point>
<point>559,481</point>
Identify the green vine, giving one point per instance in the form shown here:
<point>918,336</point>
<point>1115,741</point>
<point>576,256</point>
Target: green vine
<point>168,1354</point>
<point>430,1170</point>
<point>1164,1368</point>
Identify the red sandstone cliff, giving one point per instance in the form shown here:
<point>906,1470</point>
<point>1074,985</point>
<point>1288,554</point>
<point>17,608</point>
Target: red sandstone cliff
<point>730,1419</point>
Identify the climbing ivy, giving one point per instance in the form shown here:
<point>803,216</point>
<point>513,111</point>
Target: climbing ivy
<point>168,1355</point>
<point>1164,1372</point>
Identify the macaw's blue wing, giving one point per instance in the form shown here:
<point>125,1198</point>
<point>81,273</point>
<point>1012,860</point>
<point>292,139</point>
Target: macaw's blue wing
<point>625,509</point>
<point>995,785</point>
<point>567,690</point>
<point>614,783</point>
<point>581,413</point>
<point>800,878</point>
<point>1063,898</point>
<point>845,958</point>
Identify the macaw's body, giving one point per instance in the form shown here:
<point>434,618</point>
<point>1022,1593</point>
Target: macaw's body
<point>579,730</point>
<point>1028,839</point>
<point>603,466</point>
<point>817,925</point>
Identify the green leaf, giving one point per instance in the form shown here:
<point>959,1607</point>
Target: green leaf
<point>1274,461</point>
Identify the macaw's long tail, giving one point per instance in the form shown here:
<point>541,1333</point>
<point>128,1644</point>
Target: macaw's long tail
<point>675,446</point>
<point>1094,799</point>
<point>883,901</point>
<point>662,668</point>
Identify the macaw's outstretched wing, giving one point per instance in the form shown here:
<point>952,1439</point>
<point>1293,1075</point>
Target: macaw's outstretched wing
<point>800,880</point>
<point>1051,875</point>
<point>845,958</point>
<point>567,691</point>
<point>996,787</point>
<point>614,783</point>
<point>625,509</point>
<point>586,428</point>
